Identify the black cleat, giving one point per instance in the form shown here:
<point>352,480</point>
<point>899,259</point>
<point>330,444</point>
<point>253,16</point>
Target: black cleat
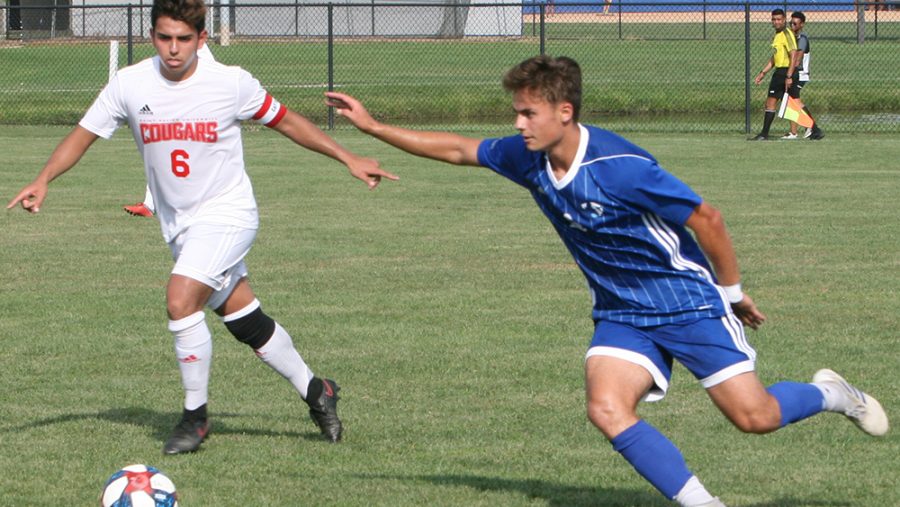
<point>759,137</point>
<point>817,134</point>
<point>323,408</point>
<point>187,436</point>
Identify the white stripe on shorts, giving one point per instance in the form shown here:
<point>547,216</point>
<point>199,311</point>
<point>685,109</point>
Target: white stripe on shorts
<point>656,392</point>
<point>726,373</point>
<point>733,324</point>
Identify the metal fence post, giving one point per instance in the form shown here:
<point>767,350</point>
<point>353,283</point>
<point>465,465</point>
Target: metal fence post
<point>330,62</point>
<point>704,19</point>
<point>861,22</point>
<point>130,37</point>
<point>747,68</point>
<point>543,35</point>
<point>533,20</point>
<point>620,19</point>
<point>53,21</point>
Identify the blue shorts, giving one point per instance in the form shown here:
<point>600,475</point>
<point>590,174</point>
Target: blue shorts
<point>714,350</point>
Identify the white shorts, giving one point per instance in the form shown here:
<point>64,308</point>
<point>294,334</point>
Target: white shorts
<point>213,255</point>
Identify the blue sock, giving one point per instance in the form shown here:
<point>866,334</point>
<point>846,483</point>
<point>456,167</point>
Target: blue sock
<point>654,457</point>
<point>797,401</point>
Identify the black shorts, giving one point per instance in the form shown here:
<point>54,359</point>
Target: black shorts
<point>776,86</point>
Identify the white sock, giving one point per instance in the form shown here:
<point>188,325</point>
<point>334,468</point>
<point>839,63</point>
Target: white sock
<point>148,201</point>
<point>279,353</point>
<point>835,400</point>
<point>193,349</point>
<point>693,493</point>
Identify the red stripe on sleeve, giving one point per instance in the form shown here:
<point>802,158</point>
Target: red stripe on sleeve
<point>265,107</point>
<point>281,112</point>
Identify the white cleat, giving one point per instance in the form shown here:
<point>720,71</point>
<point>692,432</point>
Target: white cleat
<point>714,503</point>
<point>864,410</point>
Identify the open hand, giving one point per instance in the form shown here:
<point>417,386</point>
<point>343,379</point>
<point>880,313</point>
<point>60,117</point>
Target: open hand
<point>350,108</point>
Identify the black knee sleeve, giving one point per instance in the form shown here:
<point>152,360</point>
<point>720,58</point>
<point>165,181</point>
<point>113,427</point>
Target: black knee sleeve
<point>254,329</point>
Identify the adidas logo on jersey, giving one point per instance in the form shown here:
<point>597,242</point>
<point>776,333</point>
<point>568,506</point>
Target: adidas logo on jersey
<point>145,110</point>
<point>597,207</point>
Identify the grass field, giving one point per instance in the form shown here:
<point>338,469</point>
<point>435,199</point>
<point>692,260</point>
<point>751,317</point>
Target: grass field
<point>652,76</point>
<point>455,321</point>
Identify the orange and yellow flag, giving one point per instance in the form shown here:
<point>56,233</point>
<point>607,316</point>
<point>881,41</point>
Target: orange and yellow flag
<point>791,110</point>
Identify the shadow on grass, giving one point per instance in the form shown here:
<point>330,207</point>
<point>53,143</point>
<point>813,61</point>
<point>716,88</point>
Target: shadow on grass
<point>555,494</point>
<point>161,423</point>
<point>794,502</point>
<point>563,495</point>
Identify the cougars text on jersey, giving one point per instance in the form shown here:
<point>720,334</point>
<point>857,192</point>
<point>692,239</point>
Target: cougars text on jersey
<point>199,131</point>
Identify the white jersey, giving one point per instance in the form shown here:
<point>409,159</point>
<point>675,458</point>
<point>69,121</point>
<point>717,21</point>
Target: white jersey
<point>189,135</point>
<point>204,52</point>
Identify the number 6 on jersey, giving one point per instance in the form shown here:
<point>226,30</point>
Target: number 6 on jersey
<point>180,167</point>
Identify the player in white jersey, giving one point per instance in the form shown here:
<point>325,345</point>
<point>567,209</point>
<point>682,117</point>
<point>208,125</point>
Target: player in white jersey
<point>185,114</point>
<point>147,208</point>
<point>628,224</point>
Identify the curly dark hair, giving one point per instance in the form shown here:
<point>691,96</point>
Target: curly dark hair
<point>192,12</point>
<point>556,80</point>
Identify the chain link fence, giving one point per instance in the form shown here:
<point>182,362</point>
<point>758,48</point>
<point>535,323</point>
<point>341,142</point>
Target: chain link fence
<point>648,66</point>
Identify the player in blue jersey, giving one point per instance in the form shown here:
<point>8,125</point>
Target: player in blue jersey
<point>659,293</point>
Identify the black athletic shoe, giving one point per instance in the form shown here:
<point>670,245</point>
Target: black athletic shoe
<point>817,134</point>
<point>322,401</point>
<point>187,436</point>
<point>759,137</point>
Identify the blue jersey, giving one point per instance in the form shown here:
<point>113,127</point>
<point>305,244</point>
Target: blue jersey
<point>622,218</point>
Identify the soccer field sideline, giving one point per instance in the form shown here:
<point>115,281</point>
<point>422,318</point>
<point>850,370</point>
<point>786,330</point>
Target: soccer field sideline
<point>455,80</point>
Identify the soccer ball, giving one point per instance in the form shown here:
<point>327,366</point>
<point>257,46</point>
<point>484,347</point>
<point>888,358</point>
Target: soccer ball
<point>139,486</point>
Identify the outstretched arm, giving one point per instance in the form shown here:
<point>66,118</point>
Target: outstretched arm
<point>709,229</point>
<point>67,153</point>
<point>442,146</point>
<point>306,134</point>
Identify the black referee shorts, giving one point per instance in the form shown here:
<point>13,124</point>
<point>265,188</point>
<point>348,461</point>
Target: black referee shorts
<point>776,85</point>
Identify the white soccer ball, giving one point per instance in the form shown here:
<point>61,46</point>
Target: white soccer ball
<point>139,486</point>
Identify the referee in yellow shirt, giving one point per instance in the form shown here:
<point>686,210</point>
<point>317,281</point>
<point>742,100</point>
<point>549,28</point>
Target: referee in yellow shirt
<point>784,44</point>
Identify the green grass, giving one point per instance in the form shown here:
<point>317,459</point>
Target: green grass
<point>455,321</point>
<point>654,77</point>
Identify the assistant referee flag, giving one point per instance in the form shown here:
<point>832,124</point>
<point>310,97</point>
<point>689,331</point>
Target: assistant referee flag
<point>793,111</point>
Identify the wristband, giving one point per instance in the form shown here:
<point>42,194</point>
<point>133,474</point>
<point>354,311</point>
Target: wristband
<point>733,293</point>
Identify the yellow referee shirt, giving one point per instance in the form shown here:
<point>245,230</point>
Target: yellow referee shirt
<point>782,44</point>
